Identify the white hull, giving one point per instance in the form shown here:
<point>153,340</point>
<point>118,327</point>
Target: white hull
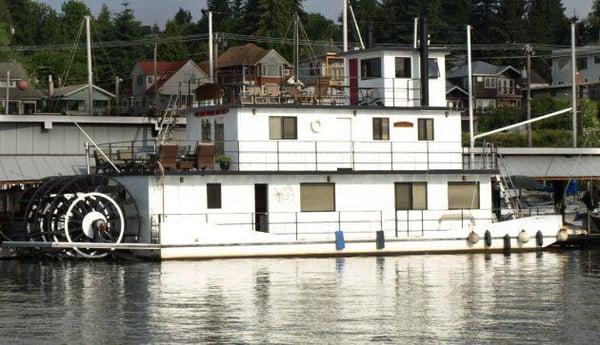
<point>211,245</point>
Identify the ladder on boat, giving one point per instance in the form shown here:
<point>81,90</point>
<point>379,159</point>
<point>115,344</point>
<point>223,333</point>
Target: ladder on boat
<point>506,184</point>
<point>167,123</point>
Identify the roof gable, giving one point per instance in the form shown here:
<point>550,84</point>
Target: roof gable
<point>273,54</point>
<point>245,55</point>
<point>162,67</point>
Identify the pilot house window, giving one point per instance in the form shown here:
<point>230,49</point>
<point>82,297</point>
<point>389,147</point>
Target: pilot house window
<point>381,128</point>
<point>403,67</point>
<point>370,68</point>
<point>283,128</point>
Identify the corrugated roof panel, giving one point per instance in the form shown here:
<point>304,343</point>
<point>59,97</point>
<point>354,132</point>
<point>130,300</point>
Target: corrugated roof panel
<point>19,168</point>
<point>552,167</point>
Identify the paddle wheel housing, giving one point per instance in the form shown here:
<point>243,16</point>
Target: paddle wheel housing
<point>84,209</point>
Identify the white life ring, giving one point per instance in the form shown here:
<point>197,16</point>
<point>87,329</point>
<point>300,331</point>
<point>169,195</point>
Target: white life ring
<point>315,126</point>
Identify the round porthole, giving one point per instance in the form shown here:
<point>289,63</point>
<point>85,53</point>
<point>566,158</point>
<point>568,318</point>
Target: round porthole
<point>315,126</point>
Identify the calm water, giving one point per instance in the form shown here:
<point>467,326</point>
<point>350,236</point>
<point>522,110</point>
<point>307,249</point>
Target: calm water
<point>525,298</point>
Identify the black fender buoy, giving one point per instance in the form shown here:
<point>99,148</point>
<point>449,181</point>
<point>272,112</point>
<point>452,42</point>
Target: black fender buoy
<point>506,243</point>
<point>488,238</point>
<point>380,240</point>
<point>539,239</point>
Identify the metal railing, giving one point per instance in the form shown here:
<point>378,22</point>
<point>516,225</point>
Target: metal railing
<point>303,225</point>
<point>294,155</point>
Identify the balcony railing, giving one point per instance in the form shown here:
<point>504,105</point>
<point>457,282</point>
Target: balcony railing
<point>375,92</point>
<point>281,156</point>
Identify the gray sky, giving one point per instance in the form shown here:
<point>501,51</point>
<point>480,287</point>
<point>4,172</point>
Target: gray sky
<point>159,11</point>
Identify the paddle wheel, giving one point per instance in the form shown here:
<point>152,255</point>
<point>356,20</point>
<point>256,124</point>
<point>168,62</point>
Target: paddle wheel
<point>79,209</point>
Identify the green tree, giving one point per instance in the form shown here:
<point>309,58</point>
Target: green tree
<point>510,21</point>
<point>547,22</point>
<point>176,49</point>
<point>71,18</point>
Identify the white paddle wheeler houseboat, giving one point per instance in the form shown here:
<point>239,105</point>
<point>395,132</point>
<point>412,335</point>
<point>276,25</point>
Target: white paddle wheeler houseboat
<point>377,167</point>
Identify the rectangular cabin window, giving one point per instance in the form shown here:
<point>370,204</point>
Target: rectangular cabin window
<point>411,196</point>
<point>463,195</point>
<point>582,63</point>
<point>283,128</point>
<point>425,128</point>
<point>381,128</point>
<point>317,197</point>
<point>370,68</point>
<point>403,67</point>
<point>213,195</point>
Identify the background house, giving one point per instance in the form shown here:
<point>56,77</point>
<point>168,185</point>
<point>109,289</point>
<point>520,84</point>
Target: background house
<point>252,69</point>
<point>175,82</point>
<point>493,86</point>
<point>328,65</point>
<point>75,100</point>
<point>588,73</point>
<point>23,98</point>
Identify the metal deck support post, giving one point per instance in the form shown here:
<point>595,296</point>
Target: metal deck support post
<point>86,145</point>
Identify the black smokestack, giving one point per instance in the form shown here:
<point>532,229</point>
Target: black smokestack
<point>424,62</point>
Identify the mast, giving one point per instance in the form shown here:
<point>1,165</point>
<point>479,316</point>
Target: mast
<point>296,47</point>
<point>89,65</point>
<point>360,39</point>
<point>345,20</point>
<point>470,83</point>
<point>210,48</point>
<point>574,83</point>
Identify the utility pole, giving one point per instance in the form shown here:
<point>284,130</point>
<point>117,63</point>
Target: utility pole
<point>155,73</point>
<point>89,65</point>
<point>345,24</point>
<point>529,52</point>
<point>117,87</point>
<point>574,83</point>
<point>7,92</point>
<point>470,83</point>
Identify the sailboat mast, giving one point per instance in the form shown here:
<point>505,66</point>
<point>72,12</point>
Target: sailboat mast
<point>89,65</point>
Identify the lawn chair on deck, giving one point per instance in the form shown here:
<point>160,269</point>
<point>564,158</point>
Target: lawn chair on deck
<point>205,157</point>
<point>167,156</point>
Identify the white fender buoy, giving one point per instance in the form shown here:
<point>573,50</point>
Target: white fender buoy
<point>473,237</point>
<point>562,235</point>
<point>524,236</point>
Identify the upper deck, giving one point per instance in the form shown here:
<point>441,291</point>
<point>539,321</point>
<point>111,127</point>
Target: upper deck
<point>388,77</point>
<point>268,138</point>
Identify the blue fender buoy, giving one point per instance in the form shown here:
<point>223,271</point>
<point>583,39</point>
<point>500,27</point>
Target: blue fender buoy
<point>380,240</point>
<point>506,243</point>
<point>488,238</point>
<point>539,239</point>
<point>340,243</point>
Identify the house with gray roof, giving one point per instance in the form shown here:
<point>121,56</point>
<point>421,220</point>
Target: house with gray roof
<point>493,86</point>
<point>23,98</point>
<point>74,99</point>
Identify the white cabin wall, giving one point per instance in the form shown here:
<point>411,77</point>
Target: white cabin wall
<point>183,205</point>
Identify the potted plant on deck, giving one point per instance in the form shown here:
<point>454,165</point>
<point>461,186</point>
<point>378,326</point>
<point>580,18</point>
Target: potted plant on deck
<point>224,162</point>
